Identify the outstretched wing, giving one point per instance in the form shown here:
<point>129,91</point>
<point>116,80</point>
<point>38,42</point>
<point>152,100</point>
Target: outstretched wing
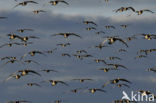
<point>124,80</point>
<point>148,10</point>
<point>32,71</point>
<point>63,83</point>
<point>31,2</point>
<point>64,2</point>
<point>101,90</point>
<point>131,8</point>
<point>122,41</point>
<point>75,35</point>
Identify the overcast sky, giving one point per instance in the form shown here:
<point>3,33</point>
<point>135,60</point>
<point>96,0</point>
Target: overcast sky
<point>68,18</point>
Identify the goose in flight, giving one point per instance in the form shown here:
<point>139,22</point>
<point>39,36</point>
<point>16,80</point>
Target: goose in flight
<point>38,11</point>
<point>26,38</point>
<point>144,10</point>
<point>9,58</point>
<point>147,36</point>
<point>124,26</point>
<point>50,51</point>
<point>66,35</point>
<point>152,69</point>
<point>89,22</point>
<point>140,56</point>
<point>66,54</point>
<point>27,71</point>
<point>32,53</point>
<point>31,61</point>
<point>16,76</point>
<point>106,69</point>
<point>100,60</point>
<point>82,80</point>
<point>112,40</point>
<point>10,61</point>
<point>100,32</point>
<point>122,50</point>
<point>116,66</point>
<point>19,101</point>
<point>81,51</point>
<point>54,82</point>
<point>121,85</point>
<point>55,2</point>
<point>48,70</point>
<point>2,17</point>
<point>90,28</point>
<point>99,46</point>
<point>9,44</point>
<point>63,44</point>
<point>145,92</point>
<point>113,58</point>
<point>115,81</point>
<point>22,30</point>
<point>109,26</point>
<point>24,3</point>
<point>93,90</point>
<point>124,9</point>
<point>13,36</point>
<point>33,84</point>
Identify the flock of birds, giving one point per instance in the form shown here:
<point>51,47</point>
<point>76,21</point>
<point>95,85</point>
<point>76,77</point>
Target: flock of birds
<point>17,39</point>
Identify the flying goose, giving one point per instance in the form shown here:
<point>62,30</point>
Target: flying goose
<point>125,9</point>
<point>152,69</point>
<point>22,30</point>
<point>81,51</point>
<point>121,85</point>
<point>112,40</point>
<point>100,60</point>
<point>100,32</point>
<point>38,11</point>
<point>3,17</point>
<point>54,82</point>
<point>106,69</point>
<point>90,28</point>
<point>82,80</point>
<point>48,70</point>
<point>26,38</point>
<point>24,3</point>
<point>66,35</point>
<point>63,45</point>
<point>66,54</point>
<point>32,53</point>
<point>31,61</point>
<point>109,26</point>
<point>140,56</point>
<point>55,2</point>
<point>122,50</point>
<point>113,58</point>
<point>93,90</point>
<point>27,71</point>
<point>13,36</point>
<point>89,22</point>
<point>115,81</point>
<point>33,84</point>
<point>16,76</point>
<point>9,58</point>
<point>9,44</point>
<point>116,66</point>
<point>19,101</point>
<point>141,11</point>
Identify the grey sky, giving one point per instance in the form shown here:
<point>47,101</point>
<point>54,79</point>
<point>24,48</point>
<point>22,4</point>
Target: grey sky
<point>62,18</point>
